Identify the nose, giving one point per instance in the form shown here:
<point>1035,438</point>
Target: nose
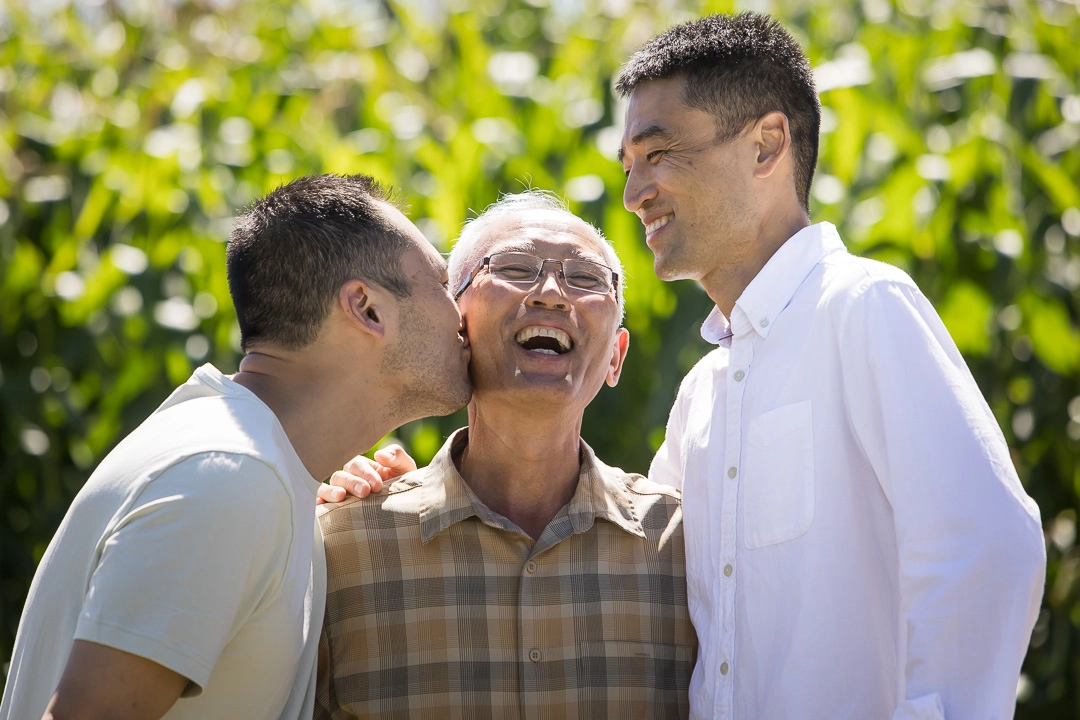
<point>548,291</point>
<point>639,188</point>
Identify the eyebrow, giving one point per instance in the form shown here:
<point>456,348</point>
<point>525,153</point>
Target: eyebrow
<point>574,253</point>
<point>649,132</point>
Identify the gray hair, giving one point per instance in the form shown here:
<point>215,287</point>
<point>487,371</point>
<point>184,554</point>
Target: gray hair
<point>471,244</point>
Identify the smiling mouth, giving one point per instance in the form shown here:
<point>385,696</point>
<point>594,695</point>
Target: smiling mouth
<point>544,340</point>
<point>657,224</point>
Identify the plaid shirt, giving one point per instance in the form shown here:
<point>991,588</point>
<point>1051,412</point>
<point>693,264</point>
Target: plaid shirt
<point>437,607</point>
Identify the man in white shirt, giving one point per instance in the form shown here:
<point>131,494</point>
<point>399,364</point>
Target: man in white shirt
<point>186,580</point>
<point>858,542</point>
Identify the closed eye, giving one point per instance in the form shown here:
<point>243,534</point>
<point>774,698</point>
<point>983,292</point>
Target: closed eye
<point>514,272</point>
<point>585,280</point>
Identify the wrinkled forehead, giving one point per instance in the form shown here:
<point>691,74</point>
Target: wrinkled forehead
<point>543,232</point>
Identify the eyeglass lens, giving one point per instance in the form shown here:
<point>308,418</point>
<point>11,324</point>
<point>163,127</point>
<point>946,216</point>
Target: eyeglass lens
<point>525,268</point>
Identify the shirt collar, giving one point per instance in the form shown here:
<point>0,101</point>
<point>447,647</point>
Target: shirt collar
<point>602,492</point>
<point>773,287</point>
<point>716,328</point>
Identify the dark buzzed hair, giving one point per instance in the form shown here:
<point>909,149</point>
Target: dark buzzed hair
<point>291,252</point>
<point>738,68</point>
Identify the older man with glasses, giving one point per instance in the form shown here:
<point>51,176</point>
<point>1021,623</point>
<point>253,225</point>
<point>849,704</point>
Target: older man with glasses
<point>517,575</point>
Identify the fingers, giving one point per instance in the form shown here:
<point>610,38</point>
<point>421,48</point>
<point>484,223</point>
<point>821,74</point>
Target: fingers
<point>353,484</point>
<point>329,493</point>
<point>393,462</point>
<point>359,477</point>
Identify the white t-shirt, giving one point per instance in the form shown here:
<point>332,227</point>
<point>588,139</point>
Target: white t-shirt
<point>192,545</point>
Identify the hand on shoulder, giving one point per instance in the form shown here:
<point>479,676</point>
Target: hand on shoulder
<point>362,476</point>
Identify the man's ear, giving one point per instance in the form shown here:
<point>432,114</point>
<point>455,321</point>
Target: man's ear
<point>618,355</point>
<point>363,305</point>
<point>772,133</point>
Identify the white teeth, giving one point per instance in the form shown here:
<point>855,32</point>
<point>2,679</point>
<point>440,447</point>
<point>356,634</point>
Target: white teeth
<point>537,331</point>
<point>657,224</point>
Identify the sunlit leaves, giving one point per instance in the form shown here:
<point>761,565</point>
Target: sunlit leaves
<point>966,311</point>
<point>1054,336</point>
<point>131,133</point>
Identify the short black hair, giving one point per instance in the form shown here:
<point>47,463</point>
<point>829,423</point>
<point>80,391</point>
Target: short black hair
<point>738,68</point>
<point>290,253</point>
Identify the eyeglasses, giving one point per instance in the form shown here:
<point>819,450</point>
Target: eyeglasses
<point>525,268</point>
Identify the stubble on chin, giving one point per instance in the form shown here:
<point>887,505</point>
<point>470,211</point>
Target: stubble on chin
<point>420,402</point>
<point>432,384</point>
<point>668,268</point>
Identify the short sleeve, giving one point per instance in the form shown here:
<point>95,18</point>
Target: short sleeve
<point>204,544</point>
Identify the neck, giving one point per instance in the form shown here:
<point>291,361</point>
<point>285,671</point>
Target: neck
<point>725,285</point>
<point>525,470</point>
<point>326,424</point>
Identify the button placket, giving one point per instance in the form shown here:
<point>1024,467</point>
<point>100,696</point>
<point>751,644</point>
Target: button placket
<point>740,357</point>
<point>531,619</point>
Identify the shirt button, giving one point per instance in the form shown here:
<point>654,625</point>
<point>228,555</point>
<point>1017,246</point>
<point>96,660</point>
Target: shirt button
<point>727,570</point>
<point>732,472</point>
<point>534,655</point>
<point>739,375</point>
<point>723,667</point>
<point>764,322</point>
<point>530,567</point>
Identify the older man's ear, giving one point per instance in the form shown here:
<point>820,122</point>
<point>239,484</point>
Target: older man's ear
<point>618,355</point>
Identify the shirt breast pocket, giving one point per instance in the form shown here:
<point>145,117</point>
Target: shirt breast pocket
<point>778,478</point>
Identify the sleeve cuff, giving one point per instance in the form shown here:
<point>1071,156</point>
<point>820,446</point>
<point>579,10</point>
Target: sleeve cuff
<point>154,649</point>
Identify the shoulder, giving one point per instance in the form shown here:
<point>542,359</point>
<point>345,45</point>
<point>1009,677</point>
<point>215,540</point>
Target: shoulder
<point>222,476</point>
<point>399,504</point>
<point>844,274</point>
<point>851,286</point>
<point>641,486</point>
<point>647,496</point>
<point>212,488</point>
<point>207,419</point>
<point>657,507</point>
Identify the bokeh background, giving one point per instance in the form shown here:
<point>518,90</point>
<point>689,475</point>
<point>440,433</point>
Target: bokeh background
<point>132,131</point>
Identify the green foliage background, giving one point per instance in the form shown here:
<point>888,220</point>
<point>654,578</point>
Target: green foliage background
<point>131,131</point>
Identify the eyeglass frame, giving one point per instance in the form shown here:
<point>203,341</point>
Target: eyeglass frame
<point>560,275</point>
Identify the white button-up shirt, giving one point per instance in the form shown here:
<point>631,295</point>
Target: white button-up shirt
<point>858,543</point>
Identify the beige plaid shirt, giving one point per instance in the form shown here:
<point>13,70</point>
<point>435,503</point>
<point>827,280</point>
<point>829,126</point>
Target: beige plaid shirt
<point>439,608</point>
